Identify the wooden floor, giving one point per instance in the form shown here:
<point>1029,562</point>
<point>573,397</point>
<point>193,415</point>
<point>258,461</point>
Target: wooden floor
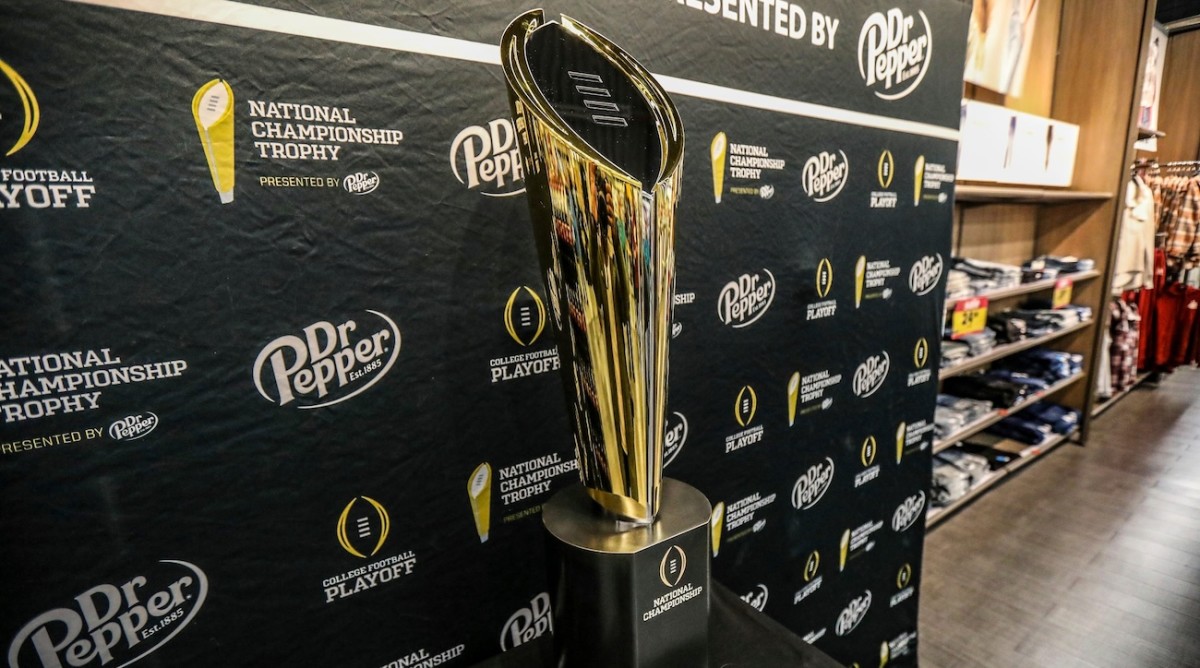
<point>1090,557</point>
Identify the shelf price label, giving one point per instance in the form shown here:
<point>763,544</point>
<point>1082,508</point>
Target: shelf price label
<point>970,317</point>
<point>1062,292</point>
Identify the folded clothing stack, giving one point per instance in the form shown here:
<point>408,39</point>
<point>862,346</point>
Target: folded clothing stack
<point>1033,425</point>
<point>1050,318</point>
<point>1034,383</point>
<point>1060,419</point>
<point>1000,392</point>
<point>1019,428</point>
<point>988,275</point>
<point>1008,327</point>
<point>958,285</point>
<point>954,473</point>
<point>953,413</point>
<point>996,459</point>
<point>1049,365</point>
<point>1036,318</point>
<point>1067,264</point>
<point>980,343</point>
<point>954,352</point>
<point>1083,313</point>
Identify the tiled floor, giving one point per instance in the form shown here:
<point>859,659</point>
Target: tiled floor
<point>1088,558</point>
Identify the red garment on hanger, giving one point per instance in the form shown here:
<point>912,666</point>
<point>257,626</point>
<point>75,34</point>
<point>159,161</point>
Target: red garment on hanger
<point>1175,309</point>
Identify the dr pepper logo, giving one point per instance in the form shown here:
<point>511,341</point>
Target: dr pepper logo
<point>117,623</point>
<point>327,363</point>
<point>488,160</point>
<point>746,299</point>
<point>894,52</point>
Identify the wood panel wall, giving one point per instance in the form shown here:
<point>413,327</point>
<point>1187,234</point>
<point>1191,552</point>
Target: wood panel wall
<point>1179,109</point>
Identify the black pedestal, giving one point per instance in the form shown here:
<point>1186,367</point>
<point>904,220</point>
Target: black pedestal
<point>635,596</point>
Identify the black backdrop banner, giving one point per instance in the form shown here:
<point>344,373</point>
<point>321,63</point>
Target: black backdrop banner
<point>274,379</point>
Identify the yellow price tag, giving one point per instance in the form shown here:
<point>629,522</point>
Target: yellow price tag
<point>970,317</point>
<point>1062,292</point>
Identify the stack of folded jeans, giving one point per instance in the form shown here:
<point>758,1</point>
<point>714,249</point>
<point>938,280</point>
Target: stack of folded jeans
<point>1047,320</point>
<point>1083,313</point>
<point>954,352</point>
<point>1049,365</point>
<point>1008,327</point>
<point>1037,271</point>
<point>958,285</point>
<point>997,459</point>
<point>1021,428</point>
<point>1060,419</point>
<point>1059,265</point>
<point>1034,383</point>
<point>988,275</point>
<point>980,343</point>
<point>953,413</point>
<point>1001,392</point>
<point>955,472</point>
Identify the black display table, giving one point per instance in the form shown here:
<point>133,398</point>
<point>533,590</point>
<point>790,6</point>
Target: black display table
<point>739,637</point>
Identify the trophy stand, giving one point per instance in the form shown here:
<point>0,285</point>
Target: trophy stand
<point>629,595</point>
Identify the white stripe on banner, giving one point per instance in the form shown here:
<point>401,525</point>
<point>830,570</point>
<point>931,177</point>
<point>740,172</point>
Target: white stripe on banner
<point>227,12</point>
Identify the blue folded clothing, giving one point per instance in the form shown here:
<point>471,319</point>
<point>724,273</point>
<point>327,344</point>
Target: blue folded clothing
<point>1020,429</point>
<point>1033,383</point>
<point>1060,419</point>
<point>1051,365</point>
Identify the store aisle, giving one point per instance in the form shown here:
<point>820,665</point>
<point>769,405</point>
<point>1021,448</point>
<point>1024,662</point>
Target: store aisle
<point>1089,558</point>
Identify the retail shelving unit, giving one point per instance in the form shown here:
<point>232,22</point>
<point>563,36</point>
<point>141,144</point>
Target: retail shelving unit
<point>1011,224</point>
<point>1006,349</point>
<point>999,414</point>
<point>981,194</point>
<point>1023,455</point>
<point>1027,288</point>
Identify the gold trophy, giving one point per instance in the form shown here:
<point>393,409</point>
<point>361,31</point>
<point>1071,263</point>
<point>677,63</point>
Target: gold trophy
<point>918,179</point>
<point>479,491</point>
<point>602,150</point>
<point>860,276</point>
<point>845,553</point>
<point>793,395</point>
<point>717,151</point>
<point>716,524</point>
<point>901,432</point>
<point>212,109</point>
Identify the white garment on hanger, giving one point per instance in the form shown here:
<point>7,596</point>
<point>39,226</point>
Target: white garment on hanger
<point>1135,246</point>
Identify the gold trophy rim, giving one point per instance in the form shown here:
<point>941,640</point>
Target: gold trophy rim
<point>516,69</point>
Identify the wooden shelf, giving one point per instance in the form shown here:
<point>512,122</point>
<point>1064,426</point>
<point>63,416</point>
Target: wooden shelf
<point>1001,413</point>
<point>977,194</point>
<point>936,515</point>
<point>1006,349</point>
<point>1027,288</point>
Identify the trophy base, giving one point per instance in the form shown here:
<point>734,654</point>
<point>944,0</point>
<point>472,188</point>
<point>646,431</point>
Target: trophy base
<point>630,596</point>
